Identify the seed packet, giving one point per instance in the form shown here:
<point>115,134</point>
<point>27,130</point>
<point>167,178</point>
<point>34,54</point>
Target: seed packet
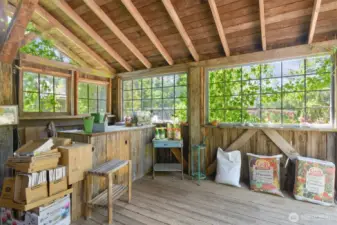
<point>264,173</point>
<point>315,181</point>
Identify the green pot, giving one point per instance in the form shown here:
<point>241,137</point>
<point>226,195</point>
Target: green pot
<point>88,124</point>
<point>98,117</point>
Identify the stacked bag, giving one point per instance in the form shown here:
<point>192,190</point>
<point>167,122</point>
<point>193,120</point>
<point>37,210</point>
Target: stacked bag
<point>314,179</point>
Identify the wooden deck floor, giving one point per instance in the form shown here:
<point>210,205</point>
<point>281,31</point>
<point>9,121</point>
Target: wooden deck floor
<point>168,200</point>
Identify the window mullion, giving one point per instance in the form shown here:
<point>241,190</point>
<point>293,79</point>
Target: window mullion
<point>39,89</point>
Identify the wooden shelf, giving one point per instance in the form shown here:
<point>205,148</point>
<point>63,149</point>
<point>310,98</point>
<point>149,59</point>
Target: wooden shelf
<point>7,203</point>
<point>167,167</point>
<point>101,200</point>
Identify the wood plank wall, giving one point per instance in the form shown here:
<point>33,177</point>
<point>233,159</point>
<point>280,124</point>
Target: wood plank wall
<point>315,144</point>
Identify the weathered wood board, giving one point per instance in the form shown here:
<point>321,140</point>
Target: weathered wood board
<point>315,144</point>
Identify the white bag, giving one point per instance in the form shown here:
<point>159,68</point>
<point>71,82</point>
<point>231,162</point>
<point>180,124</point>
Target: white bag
<point>228,167</point>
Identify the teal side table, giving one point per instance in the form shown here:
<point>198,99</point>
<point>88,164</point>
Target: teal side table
<point>199,173</point>
<point>167,167</point>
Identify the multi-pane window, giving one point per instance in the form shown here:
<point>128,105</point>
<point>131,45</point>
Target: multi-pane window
<point>164,96</point>
<point>285,92</point>
<point>92,98</point>
<point>44,93</point>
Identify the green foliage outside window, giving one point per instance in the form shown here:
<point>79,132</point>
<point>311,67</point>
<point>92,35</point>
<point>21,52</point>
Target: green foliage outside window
<point>44,93</point>
<point>92,98</point>
<point>164,96</point>
<point>285,92</point>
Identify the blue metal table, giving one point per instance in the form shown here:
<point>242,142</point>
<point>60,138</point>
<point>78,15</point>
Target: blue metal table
<point>167,167</point>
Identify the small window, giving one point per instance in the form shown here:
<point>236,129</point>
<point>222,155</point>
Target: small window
<point>92,98</point>
<point>297,91</point>
<point>44,93</point>
<point>164,96</point>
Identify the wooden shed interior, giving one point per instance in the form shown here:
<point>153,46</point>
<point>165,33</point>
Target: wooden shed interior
<point>258,76</point>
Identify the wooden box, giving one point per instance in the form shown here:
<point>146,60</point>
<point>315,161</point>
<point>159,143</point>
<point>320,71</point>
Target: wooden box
<point>78,159</point>
<point>57,186</point>
<point>8,188</point>
<point>24,194</point>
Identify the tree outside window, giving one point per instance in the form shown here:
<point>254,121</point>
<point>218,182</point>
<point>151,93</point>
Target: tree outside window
<point>164,96</point>
<point>92,98</point>
<point>44,93</point>
<point>286,92</point>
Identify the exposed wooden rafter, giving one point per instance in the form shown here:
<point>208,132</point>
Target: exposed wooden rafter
<point>315,12</point>
<point>11,42</point>
<point>148,31</point>
<point>176,20</point>
<point>61,4</point>
<point>263,25</point>
<point>112,26</point>
<point>63,65</point>
<point>219,27</point>
<point>44,14</point>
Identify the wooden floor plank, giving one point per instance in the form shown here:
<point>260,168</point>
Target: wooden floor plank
<point>170,200</point>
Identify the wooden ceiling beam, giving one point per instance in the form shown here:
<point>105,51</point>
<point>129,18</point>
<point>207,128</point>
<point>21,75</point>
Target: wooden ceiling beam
<point>63,65</point>
<point>263,25</point>
<point>61,4</point>
<point>112,26</point>
<point>11,41</point>
<point>315,12</point>
<point>219,27</point>
<point>147,30</point>
<point>177,22</point>
<point>54,22</point>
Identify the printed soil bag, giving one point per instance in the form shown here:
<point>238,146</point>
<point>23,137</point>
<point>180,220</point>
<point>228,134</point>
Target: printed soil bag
<point>264,173</point>
<point>315,181</point>
<point>228,167</point>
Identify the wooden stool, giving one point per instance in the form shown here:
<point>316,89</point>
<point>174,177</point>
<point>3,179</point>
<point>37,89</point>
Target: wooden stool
<point>113,191</point>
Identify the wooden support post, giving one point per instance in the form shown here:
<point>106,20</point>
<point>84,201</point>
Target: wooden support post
<point>130,181</point>
<point>110,198</point>
<point>194,96</point>
<point>88,210</point>
<point>76,78</point>
<point>234,146</point>
<point>109,99</point>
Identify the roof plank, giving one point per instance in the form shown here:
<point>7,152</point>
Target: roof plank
<point>67,33</point>
<point>112,26</point>
<point>219,26</point>
<point>148,31</point>
<point>315,12</point>
<point>263,25</point>
<point>61,4</point>
<point>176,20</point>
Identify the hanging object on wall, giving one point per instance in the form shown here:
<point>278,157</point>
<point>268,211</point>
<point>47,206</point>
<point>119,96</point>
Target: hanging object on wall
<point>8,115</point>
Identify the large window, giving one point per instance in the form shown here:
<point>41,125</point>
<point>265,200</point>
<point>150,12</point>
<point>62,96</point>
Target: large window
<point>44,93</point>
<point>92,98</point>
<point>285,92</point>
<point>164,96</point>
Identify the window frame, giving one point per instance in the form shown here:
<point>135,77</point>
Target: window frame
<point>53,74</point>
<point>97,83</point>
<point>162,97</point>
<point>281,92</point>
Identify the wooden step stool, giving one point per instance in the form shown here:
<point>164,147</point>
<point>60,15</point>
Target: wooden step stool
<point>113,191</point>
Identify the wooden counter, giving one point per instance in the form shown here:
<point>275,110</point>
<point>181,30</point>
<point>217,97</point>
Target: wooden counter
<point>133,143</point>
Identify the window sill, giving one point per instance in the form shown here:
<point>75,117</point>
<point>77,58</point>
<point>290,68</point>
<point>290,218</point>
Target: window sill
<point>304,128</point>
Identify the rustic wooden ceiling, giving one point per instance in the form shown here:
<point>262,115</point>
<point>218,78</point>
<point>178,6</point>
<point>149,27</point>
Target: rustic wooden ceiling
<point>287,23</point>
